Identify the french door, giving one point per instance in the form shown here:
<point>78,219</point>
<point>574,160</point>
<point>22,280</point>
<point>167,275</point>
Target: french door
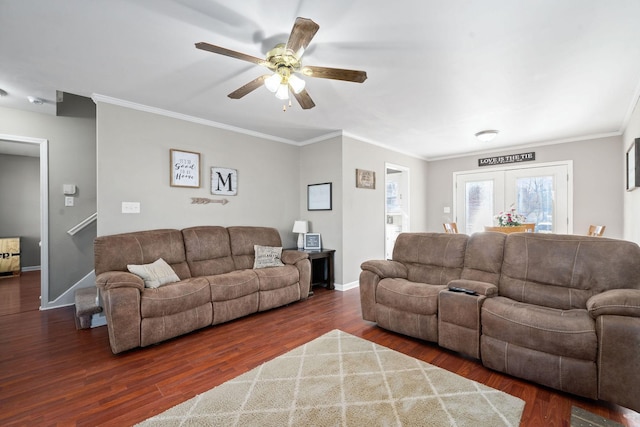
<point>542,193</point>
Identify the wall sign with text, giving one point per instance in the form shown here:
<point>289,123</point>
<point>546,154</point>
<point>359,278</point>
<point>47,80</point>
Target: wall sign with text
<point>185,168</point>
<point>511,158</point>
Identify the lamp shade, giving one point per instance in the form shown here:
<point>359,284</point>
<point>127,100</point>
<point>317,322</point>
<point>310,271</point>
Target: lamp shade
<point>272,83</point>
<point>296,83</point>
<point>300,227</point>
<point>282,92</point>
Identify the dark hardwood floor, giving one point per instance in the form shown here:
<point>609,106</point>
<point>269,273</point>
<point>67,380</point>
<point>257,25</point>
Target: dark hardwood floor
<point>52,374</point>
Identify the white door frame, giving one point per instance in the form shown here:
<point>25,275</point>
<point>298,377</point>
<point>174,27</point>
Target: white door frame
<point>516,166</point>
<point>406,201</point>
<point>44,210</point>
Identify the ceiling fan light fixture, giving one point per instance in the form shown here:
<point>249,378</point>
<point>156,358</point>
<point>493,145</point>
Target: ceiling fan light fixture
<point>486,135</point>
<point>272,83</point>
<point>282,92</point>
<point>296,83</point>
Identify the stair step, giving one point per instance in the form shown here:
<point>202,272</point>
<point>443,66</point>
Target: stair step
<point>86,306</point>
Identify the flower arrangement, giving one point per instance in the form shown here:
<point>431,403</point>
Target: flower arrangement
<point>510,218</point>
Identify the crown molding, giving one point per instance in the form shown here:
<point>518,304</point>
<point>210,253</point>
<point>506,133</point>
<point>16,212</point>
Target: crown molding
<point>172,114</point>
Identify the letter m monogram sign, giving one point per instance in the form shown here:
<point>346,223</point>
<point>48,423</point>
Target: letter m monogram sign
<point>224,181</point>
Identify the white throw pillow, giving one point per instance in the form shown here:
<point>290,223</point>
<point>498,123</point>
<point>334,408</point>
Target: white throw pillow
<point>267,256</point>
<point>155,274</point>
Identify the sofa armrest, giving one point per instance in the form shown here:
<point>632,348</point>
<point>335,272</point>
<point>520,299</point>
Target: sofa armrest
<point>292,256</point>
<point>481,288</point>
<point>617,302</point>
<point>119,279</point>
<point>385,268</point>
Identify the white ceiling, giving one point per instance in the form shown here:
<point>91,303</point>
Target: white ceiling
<point>539,71</point>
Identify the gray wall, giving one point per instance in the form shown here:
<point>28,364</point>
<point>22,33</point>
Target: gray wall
<point>597,174</point>
<point>364,209</point>
<point>133,153</point>
<point>319,163</point>
<point>72,160</point>
<point>20,206</point>
<point>355,226</point>
<point>631,198</point>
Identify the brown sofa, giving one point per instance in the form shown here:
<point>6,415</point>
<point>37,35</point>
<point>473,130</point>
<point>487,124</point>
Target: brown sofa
<point>559,310</point>
<point>217,282</point>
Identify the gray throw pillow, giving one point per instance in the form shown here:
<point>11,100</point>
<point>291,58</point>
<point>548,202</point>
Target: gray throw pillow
<point>155,274</point>
<point>267,256</point>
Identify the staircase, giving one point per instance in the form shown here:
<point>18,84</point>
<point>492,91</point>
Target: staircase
<point>88,308</point>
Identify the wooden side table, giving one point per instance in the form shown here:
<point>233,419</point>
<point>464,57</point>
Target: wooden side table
<point>322,267</point>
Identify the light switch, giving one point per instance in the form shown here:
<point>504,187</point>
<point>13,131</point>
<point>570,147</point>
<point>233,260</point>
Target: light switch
<point>447,209</point>
<point>68,201</point>
<point>130,207</point>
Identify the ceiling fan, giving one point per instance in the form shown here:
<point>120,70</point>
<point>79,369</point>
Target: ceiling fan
<point>285,62</point>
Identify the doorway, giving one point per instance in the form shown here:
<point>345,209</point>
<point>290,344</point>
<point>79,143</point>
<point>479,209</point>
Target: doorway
<point>17,144</point>
<point>397,212</point>
<point>543,193</point>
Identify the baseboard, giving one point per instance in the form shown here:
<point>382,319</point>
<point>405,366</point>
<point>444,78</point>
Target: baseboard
<point>347,286</point>
<point>32,268</point>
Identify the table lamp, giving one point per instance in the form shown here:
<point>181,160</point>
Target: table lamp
<point>300,227</point>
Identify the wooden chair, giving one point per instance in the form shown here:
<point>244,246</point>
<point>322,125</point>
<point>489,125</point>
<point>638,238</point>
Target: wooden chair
<point>450,227</point>
<point>596,230</point>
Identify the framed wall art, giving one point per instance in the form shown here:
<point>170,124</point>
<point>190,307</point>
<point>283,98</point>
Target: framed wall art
<point>633,165</point>
<point>365,179</point>
<point>319,197</point>
<point>224,181</point>
<point>184,168</point>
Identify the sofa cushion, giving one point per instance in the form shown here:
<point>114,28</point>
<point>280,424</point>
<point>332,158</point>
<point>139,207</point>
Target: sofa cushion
<point>404,295</point>
<point>208,250</point>
<point>175,298</point>
<point>115,252</point>
<point>434,258</point>
<point>236,284</point>
<point>156,274</point>
<point>277,277</point>
<point>483,257</point>
<point>267,256</point>
<point>564,271</point>
<point>243,239</point>
<point>566,333</point>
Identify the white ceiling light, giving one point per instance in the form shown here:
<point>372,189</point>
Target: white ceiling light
<point>486,135</point>
<point>34,100</point>
<point>282,92</point>
<point>296,83</point>
<point>281,80</point>
<point>273,82</point>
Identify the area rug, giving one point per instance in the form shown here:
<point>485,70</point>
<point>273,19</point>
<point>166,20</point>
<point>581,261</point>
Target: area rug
<point>342,380</point>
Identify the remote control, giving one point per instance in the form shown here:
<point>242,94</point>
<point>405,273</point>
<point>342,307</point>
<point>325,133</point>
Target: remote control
<point>463,290</point>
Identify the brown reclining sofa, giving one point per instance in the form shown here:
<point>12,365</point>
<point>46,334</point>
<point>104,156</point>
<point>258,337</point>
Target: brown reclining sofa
<point>558,310</point>
<point>216,280</point>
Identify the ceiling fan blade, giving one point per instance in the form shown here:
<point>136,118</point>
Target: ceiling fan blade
<point>248,88</point>
<point>303,99</point>
<point>334,73</point>
<point>231,53</point>
<point>301,34</point>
